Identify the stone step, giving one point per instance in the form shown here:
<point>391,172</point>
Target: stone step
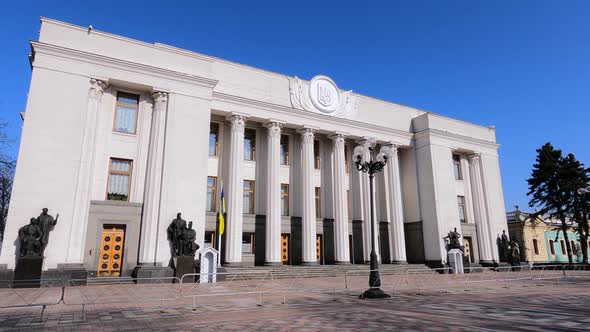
<point>125,280</point>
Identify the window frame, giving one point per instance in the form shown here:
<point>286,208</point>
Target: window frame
<point>285,198</point>
<point>317,164</point>
<point>211,124</point>
<point>129,174</point>
<point>457,165</point>
<point>318,201</point>
<point>552,247</point>
<point>461,204</point>
<point>136,107</point>
<point>535,246</point>
<point>214,192</point>
<point>345,159</point>
<point>253,139</point>
<point>252,207</point>
<point>284,141</point>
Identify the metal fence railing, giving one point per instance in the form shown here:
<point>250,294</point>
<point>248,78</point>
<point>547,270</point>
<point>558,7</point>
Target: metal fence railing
<point>270,287</point>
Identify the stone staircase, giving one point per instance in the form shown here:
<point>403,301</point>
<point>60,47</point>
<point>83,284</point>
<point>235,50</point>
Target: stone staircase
<point>297,271</point>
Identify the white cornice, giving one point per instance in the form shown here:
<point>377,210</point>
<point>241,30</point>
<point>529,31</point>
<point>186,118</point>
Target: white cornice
<point>455,137</point>
<point>307,115</point>
<point>101,60</point>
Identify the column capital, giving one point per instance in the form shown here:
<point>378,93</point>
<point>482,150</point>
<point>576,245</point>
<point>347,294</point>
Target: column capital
<point>338,136</point>
<point>160,100</point>
<point>274,128</point>
<point>393,147</point>
<point>367,142</point>
<point>307,133</point>
<point>96,88</point>
<point>237,121</point>
<point>474,157</point>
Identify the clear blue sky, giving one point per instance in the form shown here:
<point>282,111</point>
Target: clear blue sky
<point>523,66</point>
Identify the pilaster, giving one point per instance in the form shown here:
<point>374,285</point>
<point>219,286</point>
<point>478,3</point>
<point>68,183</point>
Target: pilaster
<point>273,195</point>
<point>235,190</point>
<point>341,250</point>
<point>153,182</point>
<point>308,199</point>
<point>77,236</point>
<point>395,211</point>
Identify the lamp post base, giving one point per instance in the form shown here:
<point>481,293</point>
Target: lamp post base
<point>374,293</point>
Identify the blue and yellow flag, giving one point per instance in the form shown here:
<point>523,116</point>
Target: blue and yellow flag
<point>221,213</point>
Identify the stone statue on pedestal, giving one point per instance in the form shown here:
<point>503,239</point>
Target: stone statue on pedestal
<point>175,234</point>
<point>30,237</point>
<point>504,253</point>
<point>514,253</point>
<point>46,223</point>
<point>453,240</point>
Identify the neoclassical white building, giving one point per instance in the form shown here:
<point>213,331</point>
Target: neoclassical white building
<point>120,135</point>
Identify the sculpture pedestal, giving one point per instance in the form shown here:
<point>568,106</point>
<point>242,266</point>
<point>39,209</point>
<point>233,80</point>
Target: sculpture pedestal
<point>455,259</point>
<point>27,273</point>
<point>184,265</point>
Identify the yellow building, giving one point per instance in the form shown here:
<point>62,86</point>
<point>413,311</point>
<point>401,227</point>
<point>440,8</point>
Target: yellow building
<point>542,241</point>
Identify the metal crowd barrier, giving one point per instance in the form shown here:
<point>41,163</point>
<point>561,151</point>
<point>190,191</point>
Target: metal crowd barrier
<point>94,291</point>
<point>273,285</point>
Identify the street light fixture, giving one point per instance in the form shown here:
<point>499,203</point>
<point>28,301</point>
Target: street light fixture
<point>370,166</point>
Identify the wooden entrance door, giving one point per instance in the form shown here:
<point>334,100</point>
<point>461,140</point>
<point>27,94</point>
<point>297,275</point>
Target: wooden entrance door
<point>468,252</point>
<point>318,247</point>
<point>111,252</point>
<point>285,249</point>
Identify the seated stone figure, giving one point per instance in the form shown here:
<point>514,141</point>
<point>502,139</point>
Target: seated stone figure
<point>189,236</point>
<point>30,239</point>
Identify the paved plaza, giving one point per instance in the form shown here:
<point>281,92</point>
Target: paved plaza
<point>515,305</point>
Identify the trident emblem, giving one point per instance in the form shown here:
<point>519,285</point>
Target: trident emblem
<point>324,95</point>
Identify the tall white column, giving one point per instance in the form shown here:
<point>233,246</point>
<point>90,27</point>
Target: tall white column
<point>341,250</point>
<point>273,195</point>
<point>235,191</point>
<point>480,209</point>
<point>77,236</point>
<point>395,210</point>
<point>153,182</point>
<point>366,203</point>
<point>308,199</point>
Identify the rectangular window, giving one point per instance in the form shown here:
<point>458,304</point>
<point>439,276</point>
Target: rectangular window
<point>462,211</point>
<point>535,247</point>
<point>247,243</point>
<point>214,139</point>
<point>318,202</point>
<point>250,144</point>
<point>284,199</point>
<point>346,159</point>
<point>119,179</point>
<point>316,154</point>
<point>126,113</point>
<point>552,247</point>
<point>562,245</point>
<point>211,193</point>
<point>248,197</point>
<point>284,150</point>
<point>457,167</point>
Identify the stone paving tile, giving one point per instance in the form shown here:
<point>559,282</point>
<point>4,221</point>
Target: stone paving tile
<point>545,308</point>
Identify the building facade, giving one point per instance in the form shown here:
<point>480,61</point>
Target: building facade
<point>120,135</point>
<point>542,240</point>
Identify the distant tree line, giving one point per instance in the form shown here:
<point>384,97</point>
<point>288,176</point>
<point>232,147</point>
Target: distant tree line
<point>553,191</point>
<point>7,165</point>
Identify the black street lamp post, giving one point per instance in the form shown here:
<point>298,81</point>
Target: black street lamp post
<point>371,167</point>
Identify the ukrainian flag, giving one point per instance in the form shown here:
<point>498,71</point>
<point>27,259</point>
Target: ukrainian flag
<point>221,214</point>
